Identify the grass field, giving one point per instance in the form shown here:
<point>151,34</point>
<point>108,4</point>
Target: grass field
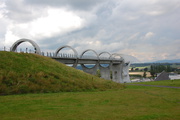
<point>140,73</point>
<point>131,103</point>
<point>173,83</point>
<point>57,92</point>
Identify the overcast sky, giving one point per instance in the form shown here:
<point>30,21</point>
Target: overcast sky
<point>146,29</point>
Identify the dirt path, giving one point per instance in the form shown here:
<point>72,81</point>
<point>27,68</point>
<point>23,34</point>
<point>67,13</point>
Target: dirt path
<point>155,86</point>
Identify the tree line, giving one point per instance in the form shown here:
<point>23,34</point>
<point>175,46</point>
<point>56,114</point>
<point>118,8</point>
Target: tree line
<point>154,69</point>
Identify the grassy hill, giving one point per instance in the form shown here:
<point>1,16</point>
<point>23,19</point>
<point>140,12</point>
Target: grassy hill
<point>31,73</point>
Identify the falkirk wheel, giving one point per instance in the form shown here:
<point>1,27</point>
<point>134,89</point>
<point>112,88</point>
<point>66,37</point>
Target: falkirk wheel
<point>117,69</point>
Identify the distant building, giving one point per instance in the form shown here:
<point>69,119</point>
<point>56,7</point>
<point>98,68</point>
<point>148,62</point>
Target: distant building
<point>162,76</point>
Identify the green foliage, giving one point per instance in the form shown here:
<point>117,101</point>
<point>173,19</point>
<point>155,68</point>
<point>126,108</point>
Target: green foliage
<point>159,68</point>
<point>145,69</point>
<point>144,74</point>
<point>31,73</point>
<point>98,74</point>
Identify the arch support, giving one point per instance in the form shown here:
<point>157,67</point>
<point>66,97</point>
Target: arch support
<point>17,43</point>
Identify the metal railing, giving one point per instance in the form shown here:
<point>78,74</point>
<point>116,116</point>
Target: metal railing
<point>4,49</point>
<point>59,55</point>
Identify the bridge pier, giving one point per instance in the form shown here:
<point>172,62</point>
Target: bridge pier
<point>105,72</point>
<point>126,78</point>
<point>117,73</point>
<point>92,70</point>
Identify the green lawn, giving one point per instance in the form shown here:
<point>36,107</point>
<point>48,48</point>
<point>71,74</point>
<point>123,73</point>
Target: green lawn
<point>174,83</point>
<point>103,100</point>
<point>131,103</point>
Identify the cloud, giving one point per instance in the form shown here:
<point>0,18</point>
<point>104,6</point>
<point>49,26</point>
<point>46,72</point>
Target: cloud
<point>73,4</point>
<point>149,35</point>
<point>148,30</point>
<point>56,22</point>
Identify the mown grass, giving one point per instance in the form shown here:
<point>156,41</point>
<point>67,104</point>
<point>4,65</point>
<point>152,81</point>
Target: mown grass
<point>114,103</point>
<point>174,83</point>
<point>132,103</point>
<point>31,73</point>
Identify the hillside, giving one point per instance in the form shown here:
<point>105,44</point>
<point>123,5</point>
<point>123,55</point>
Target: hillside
<point>31,73</point>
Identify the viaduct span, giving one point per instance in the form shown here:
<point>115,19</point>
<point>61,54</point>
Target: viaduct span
<point>116,64</point>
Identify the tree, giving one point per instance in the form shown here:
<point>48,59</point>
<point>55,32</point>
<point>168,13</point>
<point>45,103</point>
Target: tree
<point>146,69</point>
<point>137,69</point>
<point>159,68</point>
<point>144,74</point>
<point>98,74</point>
<point>152,70</point>
<point>168,68</point>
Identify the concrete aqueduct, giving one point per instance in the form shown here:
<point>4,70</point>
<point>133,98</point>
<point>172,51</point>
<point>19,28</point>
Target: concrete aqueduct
<point>118,67</point>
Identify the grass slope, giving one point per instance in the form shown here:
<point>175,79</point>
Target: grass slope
<point>31,73</point>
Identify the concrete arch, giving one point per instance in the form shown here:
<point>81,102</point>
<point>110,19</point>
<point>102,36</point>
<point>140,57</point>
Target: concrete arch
<point>92,70</point>
<point>116,54</point>
<point>75,53</point>
<point>18,42</point>
<point>89,50</point>
<point>104,53</point>
<point>66,46</point>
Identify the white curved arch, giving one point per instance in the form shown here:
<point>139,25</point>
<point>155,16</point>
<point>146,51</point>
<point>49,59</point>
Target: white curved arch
<point>107,65</point>
<point>104,53</point>
<point>75,53</point>
<point>18,42</point>
<point>89,50</point>
<point>93,52</point>
<point>66,46</point>
<point>116,54</point>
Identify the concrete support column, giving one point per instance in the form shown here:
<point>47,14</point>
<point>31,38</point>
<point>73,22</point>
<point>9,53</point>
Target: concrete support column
<point>126,77</point>
<point>105,72</point>
<point>92,70</point>
<point>117,73</point>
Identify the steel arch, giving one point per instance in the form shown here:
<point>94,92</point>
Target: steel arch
<point>17,43</point>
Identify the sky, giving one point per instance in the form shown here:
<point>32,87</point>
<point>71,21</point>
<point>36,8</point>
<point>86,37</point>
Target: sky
<point>148,30</point>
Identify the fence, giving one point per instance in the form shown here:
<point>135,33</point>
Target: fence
<point>4,49</point>
<point>60,55</point>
